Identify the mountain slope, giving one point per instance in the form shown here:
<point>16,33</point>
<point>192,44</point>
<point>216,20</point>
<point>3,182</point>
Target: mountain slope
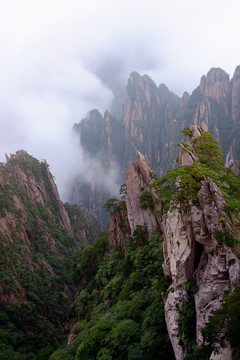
<point>38,243</point>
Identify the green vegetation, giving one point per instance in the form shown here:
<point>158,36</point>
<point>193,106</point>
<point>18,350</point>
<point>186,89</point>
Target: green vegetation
<point>186,131</point>
<point>225,236</point>
<point>182,184</point>
<point>184,144</point>
<point>111,205</point>
<point>36,256</point>
<point>208,151</point>
<point>187,319</point>
<point>123,191</point>
<point>222,329</point>
<point>119,309</point>
<point>83,220</point>
<point>146,200</point>
<point>187,325</point>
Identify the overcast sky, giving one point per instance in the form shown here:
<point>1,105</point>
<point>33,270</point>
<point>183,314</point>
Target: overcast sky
<point>58,58</point>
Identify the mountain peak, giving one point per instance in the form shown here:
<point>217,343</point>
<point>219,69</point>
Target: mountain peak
<point>216,85</point>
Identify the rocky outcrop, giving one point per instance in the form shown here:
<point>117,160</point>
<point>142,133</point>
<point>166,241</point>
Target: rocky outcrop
<point>37,182</point>
<point>137,179</point>
<point>184,100</point>
<point>236,95</point>
<point>174,299</point>
<point>217,85</point>
<point>186,157</point>
<point>192,250</point>
<point>119,229</point>
<point>180,246</point>
<point>150,122</point>
<point>149,109</point>
<point>230,162</point>
<point>141,94</point>
<point>124,220</point>
<point>186,153</point>
<point>218,271</point>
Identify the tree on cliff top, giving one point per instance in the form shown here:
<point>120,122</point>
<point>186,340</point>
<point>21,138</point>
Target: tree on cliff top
<point>208,150</point>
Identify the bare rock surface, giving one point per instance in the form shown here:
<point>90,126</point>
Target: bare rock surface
<point>236,94</point>
<point>138,178</point>
<point>214,276</point>
<point>192,250</point>
<point>224,354</point>
<point>119,229</point>
<point>189,236</point>
<point>174,298</point>
<point>180,246</point>
<point>217,85</point>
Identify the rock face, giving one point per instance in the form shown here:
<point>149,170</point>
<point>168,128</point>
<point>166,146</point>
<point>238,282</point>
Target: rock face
<point>137,179</point>
<point>217,85</point>
<point>150,122</point>
<point>119,228</point>
<point>148,110</point>
<point>144,125</point>
<point>236,95</point>
<point>101,139</point>
<point>192,250</point>
<point>217,273</point>
<point>123,222</point>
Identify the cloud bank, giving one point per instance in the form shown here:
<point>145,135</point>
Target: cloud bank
<point>61,58</point>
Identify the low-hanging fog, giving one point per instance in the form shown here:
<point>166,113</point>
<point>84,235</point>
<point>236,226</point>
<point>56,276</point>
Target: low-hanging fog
<point>60,58</point>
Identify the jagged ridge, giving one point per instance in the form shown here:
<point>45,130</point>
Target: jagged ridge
<point>151,121</point>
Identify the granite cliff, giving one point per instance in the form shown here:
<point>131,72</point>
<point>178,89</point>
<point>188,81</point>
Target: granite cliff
<point>150,122</point>
<point>201,265</point>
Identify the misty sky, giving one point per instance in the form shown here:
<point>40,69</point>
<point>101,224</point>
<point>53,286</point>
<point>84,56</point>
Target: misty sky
<point>59,57</point>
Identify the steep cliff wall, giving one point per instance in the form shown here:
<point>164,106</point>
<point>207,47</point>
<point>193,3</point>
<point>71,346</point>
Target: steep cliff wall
<point>150,122</point>
<point>198,229</point>
<point>148,110</point>
<point>195,250</point>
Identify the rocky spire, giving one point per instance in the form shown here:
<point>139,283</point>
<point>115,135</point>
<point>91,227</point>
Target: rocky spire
<point>191,249</point>
<point>188,236</point>
<point>236,95</point>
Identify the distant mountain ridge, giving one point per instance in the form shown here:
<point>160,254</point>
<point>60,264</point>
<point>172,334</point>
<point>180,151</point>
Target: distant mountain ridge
<point>150,122</point>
